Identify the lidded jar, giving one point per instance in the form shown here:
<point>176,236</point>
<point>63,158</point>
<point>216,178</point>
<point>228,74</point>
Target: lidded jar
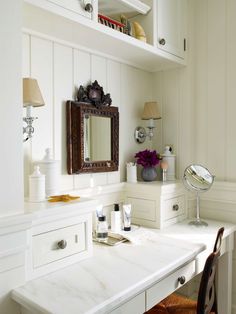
<point>51,169</point>
<point>36,186</point>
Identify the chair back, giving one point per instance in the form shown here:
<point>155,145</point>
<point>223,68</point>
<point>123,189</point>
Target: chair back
<point>207,294</point>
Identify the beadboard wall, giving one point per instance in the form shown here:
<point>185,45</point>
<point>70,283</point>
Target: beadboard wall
<point>198,106</point>
<point>60,68</point>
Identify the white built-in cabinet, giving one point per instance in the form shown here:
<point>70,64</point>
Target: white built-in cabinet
<point>164,22</point>
<point>171,26</point>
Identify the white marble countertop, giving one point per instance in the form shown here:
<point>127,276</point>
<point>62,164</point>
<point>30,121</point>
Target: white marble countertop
<point>109,278</point>
<point>116,274</point>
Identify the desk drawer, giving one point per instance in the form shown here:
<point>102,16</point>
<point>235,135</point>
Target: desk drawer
<point>173,207</point>
<point>49,247</point>
<point>134,306</point>
<point>162,289</point>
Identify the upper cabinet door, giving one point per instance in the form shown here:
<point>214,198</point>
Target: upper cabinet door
<point>171,26</point>
<point>81,7</point>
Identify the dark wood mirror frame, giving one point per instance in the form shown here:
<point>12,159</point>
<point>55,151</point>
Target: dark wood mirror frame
<point>75,112</point>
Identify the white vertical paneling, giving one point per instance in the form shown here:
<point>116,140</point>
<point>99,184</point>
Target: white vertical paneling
<point>63,89</point>
<point>216,132</point>
<point>230,108</point>
<point>201,83</point>
<point>186,131</point>
<point>99,73</point>
<point>136,88</point>
<point>26,55</point>
<point>41,69</point>
<point>114,88</point>
<point>171,109</point>
<point>82,68</point>
<point>157,86</point>
<point>82,76</point>
<point>231,91</point>
<point>27,145</point>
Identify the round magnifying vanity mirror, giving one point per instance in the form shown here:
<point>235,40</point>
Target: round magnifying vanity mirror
<point>198,179</point>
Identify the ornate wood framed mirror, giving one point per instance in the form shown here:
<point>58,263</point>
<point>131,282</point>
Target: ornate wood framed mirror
<point>92,138</point>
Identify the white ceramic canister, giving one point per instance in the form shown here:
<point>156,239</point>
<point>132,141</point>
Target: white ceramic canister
<point>170,159</point>
<point>51,169</point>
<point>36,186</point>
<point>131,170</point>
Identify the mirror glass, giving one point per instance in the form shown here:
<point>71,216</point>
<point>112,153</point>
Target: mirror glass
<point>198,179</point>
<point>97,138</point>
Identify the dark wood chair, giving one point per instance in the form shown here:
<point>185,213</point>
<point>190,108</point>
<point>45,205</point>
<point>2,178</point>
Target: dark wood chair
<point>206,302</point>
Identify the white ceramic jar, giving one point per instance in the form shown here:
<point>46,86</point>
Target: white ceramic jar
<point>51,169</point>
<point>36,186</point>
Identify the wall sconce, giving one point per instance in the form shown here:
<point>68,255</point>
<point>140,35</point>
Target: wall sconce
<point>32,97</point>
<point>150,112</point>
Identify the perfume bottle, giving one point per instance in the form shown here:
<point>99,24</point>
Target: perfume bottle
<point>164,167</point>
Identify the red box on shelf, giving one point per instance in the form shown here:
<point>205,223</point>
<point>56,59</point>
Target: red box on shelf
<point>105,20</point>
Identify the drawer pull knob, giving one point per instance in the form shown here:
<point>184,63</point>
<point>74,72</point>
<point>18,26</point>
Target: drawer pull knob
<point>162,41</point>
<point>175,207</point>
<point>88,8</point>
<point>181,280</point>
<point>62,244</point>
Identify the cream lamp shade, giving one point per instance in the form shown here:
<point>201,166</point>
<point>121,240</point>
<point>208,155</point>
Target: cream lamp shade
<point>151,111</point>
<point>31,93</point>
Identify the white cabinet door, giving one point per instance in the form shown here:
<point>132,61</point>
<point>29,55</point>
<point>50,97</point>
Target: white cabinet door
<point>171,25</point>
<point>76,6</point>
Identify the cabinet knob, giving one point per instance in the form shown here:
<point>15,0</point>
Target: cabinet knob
<point>162,41</point>
<point>62,244</point>
<point>181,280</point>
<point>175,207</point>
<point>88,7</point>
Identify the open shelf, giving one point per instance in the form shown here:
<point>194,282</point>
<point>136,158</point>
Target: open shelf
<point>127,7</point>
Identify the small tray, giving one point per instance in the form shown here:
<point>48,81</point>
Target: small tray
<point>112,240</point>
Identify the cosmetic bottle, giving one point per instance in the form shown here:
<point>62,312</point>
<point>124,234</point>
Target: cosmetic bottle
<point>127,217</point>
<point>102,229</point>
<point>115,219</point>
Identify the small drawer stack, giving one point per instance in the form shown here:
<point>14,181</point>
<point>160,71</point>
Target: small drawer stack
<point>156,204</point>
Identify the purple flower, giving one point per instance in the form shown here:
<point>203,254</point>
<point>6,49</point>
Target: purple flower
<point>147,158</point>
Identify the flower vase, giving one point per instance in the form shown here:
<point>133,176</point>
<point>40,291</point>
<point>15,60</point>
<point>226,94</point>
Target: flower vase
<point>149,174</point>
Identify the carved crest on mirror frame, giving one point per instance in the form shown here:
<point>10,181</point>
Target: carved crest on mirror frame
<point>94,95</point>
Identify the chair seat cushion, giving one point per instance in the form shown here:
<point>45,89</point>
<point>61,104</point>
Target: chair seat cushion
<point>175,304</point>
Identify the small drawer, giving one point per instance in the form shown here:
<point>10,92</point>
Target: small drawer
<point>173,207</point>
<point>166,286</point>
<point>57,244</point>
<point>142,208</point>
<point>134,306</point>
